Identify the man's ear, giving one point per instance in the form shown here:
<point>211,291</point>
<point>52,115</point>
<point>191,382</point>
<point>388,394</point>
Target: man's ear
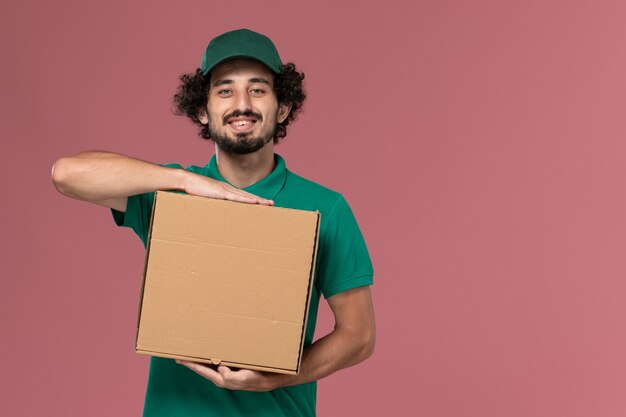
<point>283,112</point>
<point>202,116</point>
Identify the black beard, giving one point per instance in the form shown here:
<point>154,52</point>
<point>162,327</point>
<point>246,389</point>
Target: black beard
<point>244,143</point>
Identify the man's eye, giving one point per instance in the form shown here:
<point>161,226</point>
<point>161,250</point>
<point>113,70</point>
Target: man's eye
<point>224,92</point>
<point>257,91</point>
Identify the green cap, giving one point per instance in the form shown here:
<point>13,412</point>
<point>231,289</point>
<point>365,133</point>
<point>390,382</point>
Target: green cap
<point>241,43</point>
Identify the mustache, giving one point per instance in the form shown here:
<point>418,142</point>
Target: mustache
<point>239,113</point>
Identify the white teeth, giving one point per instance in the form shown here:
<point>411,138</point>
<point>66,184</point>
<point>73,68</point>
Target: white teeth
<point>242,122</point>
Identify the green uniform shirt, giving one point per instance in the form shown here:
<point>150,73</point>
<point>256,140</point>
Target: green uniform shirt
<point>342,263</point>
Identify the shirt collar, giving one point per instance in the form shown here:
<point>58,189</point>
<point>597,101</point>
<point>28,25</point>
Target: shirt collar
<point>268,187</point>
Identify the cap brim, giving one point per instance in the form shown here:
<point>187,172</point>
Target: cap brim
<point>239,55</point>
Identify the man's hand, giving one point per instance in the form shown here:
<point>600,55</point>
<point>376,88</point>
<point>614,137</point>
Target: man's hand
<point>241,379</point>
<point>208,187</point>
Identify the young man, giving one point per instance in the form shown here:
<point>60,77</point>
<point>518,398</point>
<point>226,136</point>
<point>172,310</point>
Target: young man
<point>242,98</point>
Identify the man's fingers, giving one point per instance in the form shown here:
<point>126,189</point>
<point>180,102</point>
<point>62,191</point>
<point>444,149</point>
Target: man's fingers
<point>247,198</point>
<point>223,370</point>
<point>204,371</point>
<point>208,187</point>
<point>235,194</point>
<point>237,379</point>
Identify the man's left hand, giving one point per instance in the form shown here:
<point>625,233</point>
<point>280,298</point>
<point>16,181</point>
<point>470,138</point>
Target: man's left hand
<point>240,379</point>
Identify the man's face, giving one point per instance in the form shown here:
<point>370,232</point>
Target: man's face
<point>242,109</point>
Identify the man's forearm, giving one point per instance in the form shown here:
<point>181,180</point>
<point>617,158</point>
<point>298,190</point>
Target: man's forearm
<point>342,348</point>
<point>107,179</point>
<point>351,342</point>
<point>97,176</point>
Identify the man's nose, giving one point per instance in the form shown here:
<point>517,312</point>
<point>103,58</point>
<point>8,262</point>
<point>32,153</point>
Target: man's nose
<point>243,102</point>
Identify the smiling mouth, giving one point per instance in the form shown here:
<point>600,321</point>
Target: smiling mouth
<point>242,124</point>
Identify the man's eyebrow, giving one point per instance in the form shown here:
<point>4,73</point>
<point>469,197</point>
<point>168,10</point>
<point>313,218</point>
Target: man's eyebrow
<point>222,82</point>
<point>259,80</point>
<point>225,81</point>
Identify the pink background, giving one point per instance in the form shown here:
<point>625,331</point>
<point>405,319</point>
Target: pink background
<point>481,145</point>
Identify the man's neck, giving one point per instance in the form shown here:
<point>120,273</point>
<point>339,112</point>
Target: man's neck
<point>245,170</point>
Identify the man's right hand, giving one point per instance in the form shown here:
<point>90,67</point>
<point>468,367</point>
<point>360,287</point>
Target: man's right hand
<point>208,187</point>
<point>108,179</point>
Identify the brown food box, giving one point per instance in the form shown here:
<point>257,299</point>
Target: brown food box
<point>227,282</point>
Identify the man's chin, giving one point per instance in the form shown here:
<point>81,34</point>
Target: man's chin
<point>241,143</point>
<point>239,146</point>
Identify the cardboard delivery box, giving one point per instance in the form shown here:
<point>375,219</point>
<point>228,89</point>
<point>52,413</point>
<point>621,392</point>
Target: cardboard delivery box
<point>227,282</point>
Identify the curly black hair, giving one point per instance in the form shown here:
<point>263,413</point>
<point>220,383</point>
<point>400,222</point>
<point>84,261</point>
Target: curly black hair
<point>192,95</point>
